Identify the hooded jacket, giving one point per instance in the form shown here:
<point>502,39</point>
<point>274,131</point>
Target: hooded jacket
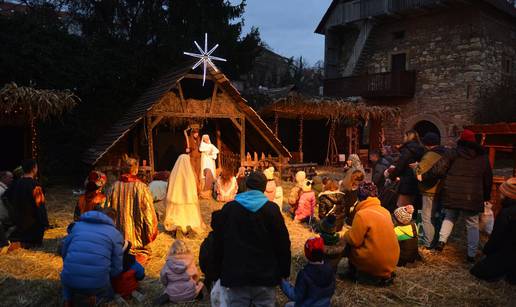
<point>306,206</point>
<point>332,202</point>
<point>92,252</point>
<point>467,177</point>
<point>315,285</point>
<point>178,276</point>
<point>374,246</point>
<point>252,244</point>
<point>410,152</point>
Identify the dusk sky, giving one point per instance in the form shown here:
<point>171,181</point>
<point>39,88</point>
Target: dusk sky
<point>287,26</point>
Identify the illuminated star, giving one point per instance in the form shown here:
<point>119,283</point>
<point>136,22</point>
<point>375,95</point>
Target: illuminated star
<point>205,57</point>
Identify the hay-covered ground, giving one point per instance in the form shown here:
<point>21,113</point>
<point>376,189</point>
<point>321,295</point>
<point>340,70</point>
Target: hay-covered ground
<point>31,278</point>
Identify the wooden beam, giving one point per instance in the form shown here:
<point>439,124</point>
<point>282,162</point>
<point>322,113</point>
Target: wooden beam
<point>301,132</point>
<point>492,155</point>
<point>242,139</point>
<point>213,97</point>
<point>236,124</point>
<point>197,77</point>
<point>155,122</point>
<point>276,124</point>
<point>184,103</point>
<point>198,115</point>
<point>150,146</point>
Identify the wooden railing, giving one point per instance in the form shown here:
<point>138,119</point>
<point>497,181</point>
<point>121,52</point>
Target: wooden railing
<point>381,85</point>
<point>352,11</point>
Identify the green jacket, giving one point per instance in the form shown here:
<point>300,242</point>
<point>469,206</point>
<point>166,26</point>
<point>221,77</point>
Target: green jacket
<point>429,187</point>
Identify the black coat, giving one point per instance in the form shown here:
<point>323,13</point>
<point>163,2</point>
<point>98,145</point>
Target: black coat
<point>410,152</point>
<point>501,247</point>
<point>30,220</point>
<point>467,177</point>
<point>253,248</point>
<point>328,200</point>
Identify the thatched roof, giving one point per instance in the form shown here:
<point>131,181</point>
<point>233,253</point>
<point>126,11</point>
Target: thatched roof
<point>315,108</point>
<point>41,104</point>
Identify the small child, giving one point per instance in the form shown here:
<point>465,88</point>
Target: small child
<point>270,190</point>
<point>306,204</point>
<point>180,276</point>
<point>406,231</point>
<point>226,187</point>
<point>333,246</point>
<point>93,198</point>
<point>278,199</point>
<point>126,284</point>
<point>295,193</point>
<point>315,283</point>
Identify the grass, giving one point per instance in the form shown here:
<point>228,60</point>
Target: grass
<point>31,277</point>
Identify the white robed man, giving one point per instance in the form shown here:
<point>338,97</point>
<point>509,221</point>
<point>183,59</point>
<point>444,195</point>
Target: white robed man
<point>183,213</point>
<point>208,156</point>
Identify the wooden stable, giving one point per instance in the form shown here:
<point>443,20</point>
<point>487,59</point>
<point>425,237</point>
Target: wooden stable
<point>498,138</point>
<point>342,118</point>
<point>177,100</point>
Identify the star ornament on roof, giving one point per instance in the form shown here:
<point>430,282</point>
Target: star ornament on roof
<point>205,57</point>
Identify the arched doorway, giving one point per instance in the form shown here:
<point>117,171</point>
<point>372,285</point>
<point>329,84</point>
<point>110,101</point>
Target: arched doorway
<point>425,126</point>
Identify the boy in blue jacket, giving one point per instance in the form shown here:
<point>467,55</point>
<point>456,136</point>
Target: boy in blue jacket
<point>92,254</point>
<point>315,283</point>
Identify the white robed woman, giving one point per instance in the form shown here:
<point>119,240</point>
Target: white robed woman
<point>208,155</point>
<point>183,213</point>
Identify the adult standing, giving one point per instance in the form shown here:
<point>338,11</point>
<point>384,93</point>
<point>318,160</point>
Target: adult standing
<point>466,186</point>
<point>410,152</point>
<point>253,241</point>
<point>208,156</point>
<point>28,207</point>
<point>193,142</point>
<point>428,188</point>
<point>136,219</point>
<point>182,203</point>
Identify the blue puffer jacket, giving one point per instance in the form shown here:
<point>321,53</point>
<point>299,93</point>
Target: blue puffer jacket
<point>92,252</point>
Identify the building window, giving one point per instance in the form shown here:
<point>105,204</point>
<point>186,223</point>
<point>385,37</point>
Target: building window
<point>507,66</point>
<point>398,35</point>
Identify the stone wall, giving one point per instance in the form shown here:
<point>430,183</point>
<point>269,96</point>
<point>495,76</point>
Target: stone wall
<point>457,55</point>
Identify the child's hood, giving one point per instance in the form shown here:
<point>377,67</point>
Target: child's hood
<point>320,275</point>
<point>177,265</point>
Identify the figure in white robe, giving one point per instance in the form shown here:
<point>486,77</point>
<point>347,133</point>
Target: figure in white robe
<point>182,201</point>
<point>208,155</point>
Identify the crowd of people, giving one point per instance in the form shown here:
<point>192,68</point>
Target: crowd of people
<point>247,254</point>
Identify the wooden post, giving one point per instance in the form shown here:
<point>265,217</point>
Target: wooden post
<point>276,124</point>
<point>301,127</point>
<point>492,154</point>
<point>150,145</point>
<point>242,139</point>
<point>219,142</point>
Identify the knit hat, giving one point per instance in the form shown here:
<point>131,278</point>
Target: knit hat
<point>256,181</point>
<point>328,224</point>
<point>404,214</point>
<point>307,186</point>
<point>300,177</point>
<point>431,139</point>
<point>367,189</point>
<point>468,136</point>
<point>508,188</point>
<point>269,173</point>
<point>314,249</point>
<point>18,172</point>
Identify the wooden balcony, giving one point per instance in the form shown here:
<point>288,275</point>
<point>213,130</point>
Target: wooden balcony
<point>382,85</point>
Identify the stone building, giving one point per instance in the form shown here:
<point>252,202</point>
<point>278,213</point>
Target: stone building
<point>436,60</point>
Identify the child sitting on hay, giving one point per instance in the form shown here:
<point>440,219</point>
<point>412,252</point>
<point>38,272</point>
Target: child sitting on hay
<point>180,276</point>
<point>315,283</point>
<point>407,234</point>
<point>126,284</point>
<point>295,192</point>
<point>333,245</point>
<point>306,204</point>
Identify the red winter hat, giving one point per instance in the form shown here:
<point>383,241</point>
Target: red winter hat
<point>314,249</point>
<point>468,136</point>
